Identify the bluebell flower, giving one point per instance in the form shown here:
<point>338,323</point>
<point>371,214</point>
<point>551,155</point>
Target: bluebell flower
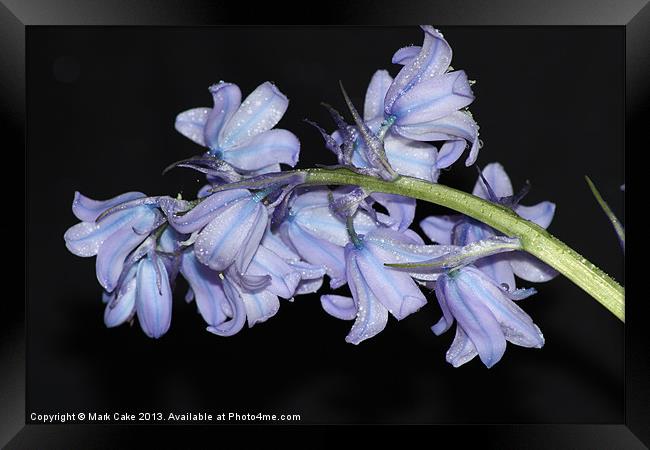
<point>425,101</point>
<point>153,297</point>
<point>486,316</point>
<point>378,290</point>
<point>228,227</point>
<point>462,230</point>
<point>113,237</point>
<point>241,134</point>
<point>318,235</point>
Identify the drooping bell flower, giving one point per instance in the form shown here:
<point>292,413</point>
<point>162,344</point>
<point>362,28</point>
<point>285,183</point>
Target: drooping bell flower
<point>153,297</point>
<point>230,225</point>
<point>486,315</point>
<point>378,290</point>
<point>461,230</point>
<point>111,237</point>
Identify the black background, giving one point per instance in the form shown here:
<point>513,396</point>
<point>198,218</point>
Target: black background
<point>101,106</point>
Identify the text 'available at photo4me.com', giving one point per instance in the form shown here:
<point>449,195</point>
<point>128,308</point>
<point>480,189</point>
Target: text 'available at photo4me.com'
<point>163,417</point>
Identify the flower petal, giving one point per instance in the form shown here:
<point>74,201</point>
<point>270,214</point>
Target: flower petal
<point>498,268</point>
<point>530,268</point>
<point>318,252</point>
<point>455,126</point>
<point>412,158</point>
<point>432,60</point>
<point>260,112</point>
<point>221,241</point>
<point>191,124</point>
<point>339,306</point>
<point>517,326</point>
<point>401,209</point>
<point>122,308</point>
<point>85,238</point>
<point>461,292</point>
<point>284,278</point>
<point>87,209</point>
<point>309,286</point>
<point>237,309</point>
<point>116,247</point>
<point>207,288</point>
<point>372,315</point>
<point>433,99</point>
<point>541,213</point>
<point>440,228</point>
<point>395,290</point>
<point>153,301</point>
<point>260,306</point>
<point>203,213</point>
<point>498,180</point>
<point>405,55</point>
<point>373,107</point>
<point>462,349</point>
<point>226,99</point>
<point>450,152</point>
<point>263,150</point>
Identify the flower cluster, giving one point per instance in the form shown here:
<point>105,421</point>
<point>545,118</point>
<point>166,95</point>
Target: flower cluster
<point>256,234</point>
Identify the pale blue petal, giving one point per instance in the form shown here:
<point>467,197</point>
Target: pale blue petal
<point>237,309</point>
<point>433,99</point>
<point>541,213</point>
<point>498,180</point>
<point>455,126</point>
<point>191,124</point>
<point>260,306</point>
<point>87,209</point>
<point>221,241</point>
<point>530,268</point>
<point>284,278</point>
<point>117,246</point>
<point>373,107</point>
<point>411,158</point>
<point>462,349</point>
<point>405,55</point>
<point>264,150</point>
<point>401,209</point>
<point>122,308</point>
<point>318,252</point>
<point>260,112</point>
<point>461,292</point>
<point>372,315</point>
<point>395,290</point>
<point>153,300</point>
<point>207,289</point>
<point>432,60</point>
<point>440,228</point>
<point>339,306</point>
<point>226,99</point>
<point>200,215</point>
<point>85,238</point>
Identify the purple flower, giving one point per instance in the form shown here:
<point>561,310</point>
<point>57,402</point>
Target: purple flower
<point>376,289</point>
<point>113,237</point>
<point>486,316</point>
<point>425,101</point>
<point>230,225</point>
<point>461,230</point>
<point>318,235</point>
<point>153,297</point>
<point>241,134</point>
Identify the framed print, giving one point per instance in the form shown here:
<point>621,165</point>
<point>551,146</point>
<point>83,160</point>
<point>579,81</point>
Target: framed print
<point>153,140</point>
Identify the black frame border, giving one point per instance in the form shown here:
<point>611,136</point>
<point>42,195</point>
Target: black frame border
<point>633,15</point>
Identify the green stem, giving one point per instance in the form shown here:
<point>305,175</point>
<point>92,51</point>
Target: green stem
<point>534,239</point>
